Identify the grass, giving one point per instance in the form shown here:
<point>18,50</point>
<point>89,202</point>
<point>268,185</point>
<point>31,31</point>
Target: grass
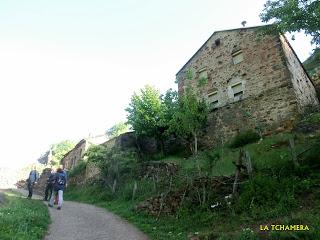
<point>277,193</point>
<point>23,219</point>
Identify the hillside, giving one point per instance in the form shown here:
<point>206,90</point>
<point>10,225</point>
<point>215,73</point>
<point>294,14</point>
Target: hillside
<point>179,197</point>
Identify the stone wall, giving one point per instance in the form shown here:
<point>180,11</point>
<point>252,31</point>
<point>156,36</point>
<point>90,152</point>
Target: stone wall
<point>72,158</point>
<point>303,87</point>
<point>92,172</point>
<point>248,82</point>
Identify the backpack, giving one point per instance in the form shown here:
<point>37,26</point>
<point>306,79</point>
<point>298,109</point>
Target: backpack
<point>61,180</point>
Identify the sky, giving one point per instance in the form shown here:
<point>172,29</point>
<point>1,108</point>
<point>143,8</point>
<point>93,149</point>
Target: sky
<point>69,67</point>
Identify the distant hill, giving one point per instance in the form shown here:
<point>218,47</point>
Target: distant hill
<point>312,64</point>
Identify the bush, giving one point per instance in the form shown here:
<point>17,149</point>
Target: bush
<point>267,196</point>
<point>80,168</point>
<point>244,138</point>
<point>312,157</point>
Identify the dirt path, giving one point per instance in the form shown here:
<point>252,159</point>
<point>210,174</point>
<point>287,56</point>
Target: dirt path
<point>78,221</point>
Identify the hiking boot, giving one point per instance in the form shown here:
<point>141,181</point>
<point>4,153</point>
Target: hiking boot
<point>58,208</point>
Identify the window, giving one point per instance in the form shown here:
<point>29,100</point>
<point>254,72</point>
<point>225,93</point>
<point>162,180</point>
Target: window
<point>203,73</point>
<point>237,90</point>
<point>237,57</point>
<point>213,99</point>
<point>217,42</point>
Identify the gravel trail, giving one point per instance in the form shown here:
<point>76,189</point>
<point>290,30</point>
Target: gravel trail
<point>78,221</point>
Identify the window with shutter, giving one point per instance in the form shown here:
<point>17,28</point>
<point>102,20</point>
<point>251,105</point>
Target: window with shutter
<point>213,99</point>
<point>237,90</point>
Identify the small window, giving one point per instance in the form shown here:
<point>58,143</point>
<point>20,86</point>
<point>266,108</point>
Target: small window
<point>237,90</point>
<point>217,42</point>
<point>213,99</point>
<point>203,73</point>
<point>237,57</point>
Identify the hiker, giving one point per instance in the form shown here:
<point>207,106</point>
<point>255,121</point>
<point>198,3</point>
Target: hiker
<point>32,179</point>
<point>60,182</point>
<point>49,187</point>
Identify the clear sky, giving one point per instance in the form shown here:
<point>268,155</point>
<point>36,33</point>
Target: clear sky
<point>69,67</point>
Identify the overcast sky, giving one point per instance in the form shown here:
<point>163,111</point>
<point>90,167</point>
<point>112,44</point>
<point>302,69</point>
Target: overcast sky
<point>69,67</point>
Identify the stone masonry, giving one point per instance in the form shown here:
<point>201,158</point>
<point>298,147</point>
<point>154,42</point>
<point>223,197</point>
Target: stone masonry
<point>250,80</point>
<point>72,158</point>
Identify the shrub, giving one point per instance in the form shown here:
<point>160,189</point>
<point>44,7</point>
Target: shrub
<point>267,196</point>
<point>312,157</point>
<point>78,169</point>
<point>244,138</point>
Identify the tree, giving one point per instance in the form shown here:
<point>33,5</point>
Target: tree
<point>59,150</point>
<point>294,15</point>
<point>190,117</point>
<point>117,129</point>
<point>144,111</point>
<point>170,106</point>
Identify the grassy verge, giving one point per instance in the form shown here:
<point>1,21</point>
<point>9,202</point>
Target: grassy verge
<point>277,193</point>
<point>162,228</point>
<point>23,219</point>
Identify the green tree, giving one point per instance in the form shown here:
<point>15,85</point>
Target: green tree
<point>117,129</point>
<point>294,15</point>
<point>144,111</point>
<point>190,118</point>
<point>170,105</point>
<point>59,150</point>
<point>145,114</point>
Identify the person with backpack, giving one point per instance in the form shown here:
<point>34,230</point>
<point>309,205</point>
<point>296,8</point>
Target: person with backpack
<point>32,179</point>
<point>60,182</point>
<point>49,187</point>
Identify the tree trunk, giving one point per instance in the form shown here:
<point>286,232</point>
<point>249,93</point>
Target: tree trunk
<point>238,170</point>
<point>293,152</point>
<point>195,143</point>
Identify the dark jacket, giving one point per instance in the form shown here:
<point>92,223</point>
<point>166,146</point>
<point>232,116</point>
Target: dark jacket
<point>60,181</point>
<point>51,179</point>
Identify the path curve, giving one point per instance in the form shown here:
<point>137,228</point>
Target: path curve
<point>79,221</point>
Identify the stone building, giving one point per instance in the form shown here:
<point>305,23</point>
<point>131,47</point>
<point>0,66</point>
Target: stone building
<point>250,80</point>
<point>72,157</point>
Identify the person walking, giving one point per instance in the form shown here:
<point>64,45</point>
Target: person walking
<point>60,182</point>
<point>32,179</point>
<point>49,187</point>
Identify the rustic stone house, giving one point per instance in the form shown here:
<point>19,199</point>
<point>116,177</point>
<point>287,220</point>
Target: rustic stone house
<point>72,157</point>
<point>250,80</point>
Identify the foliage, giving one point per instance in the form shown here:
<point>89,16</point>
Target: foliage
<point>312,62</point>
<point>23,219</point>
<point>276,190</point>
<point>144,111</point>
<point>78,169</point>
<point>96,153</point>
<point>267,196</point>
<point>190,118</point>
<point>117,129</point>
<point>115,165</point>
<point>59,150</point>
<point>312,157</point>
<point>294,15</point>
<point>170,107</point>
<point>244,138</point>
